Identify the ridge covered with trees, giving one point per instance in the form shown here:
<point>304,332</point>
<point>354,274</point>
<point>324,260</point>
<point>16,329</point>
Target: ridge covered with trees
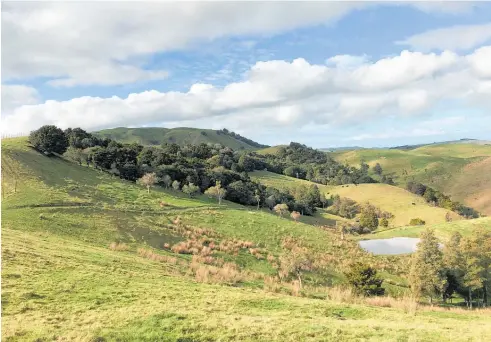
<point>195,169</point>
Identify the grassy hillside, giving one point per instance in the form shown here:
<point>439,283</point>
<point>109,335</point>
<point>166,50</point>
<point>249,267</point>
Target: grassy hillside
<point>60,281</point>
<point>388,198</point>
<point>180,136</point>
<point>270,150</point>
<point>462,171</point>
<point>443,230</point>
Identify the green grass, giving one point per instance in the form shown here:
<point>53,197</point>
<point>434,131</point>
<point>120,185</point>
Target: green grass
<point>60,281</point>
<point>64,289</point>
<point>180,135</point>
<point>388,198</point>
<point>442,230</point>
<point>462,171</point>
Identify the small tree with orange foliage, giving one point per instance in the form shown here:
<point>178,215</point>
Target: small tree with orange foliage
<point>295,261</point>
<point>148,180</point>
<point>281,209</point>
<point>295,215</point>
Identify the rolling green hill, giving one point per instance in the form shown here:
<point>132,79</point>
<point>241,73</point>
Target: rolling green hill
<point>180,136</point>
<point>442,230</point>
<point>86,257</point>
<point>388,198</point>
<point>462,171</point>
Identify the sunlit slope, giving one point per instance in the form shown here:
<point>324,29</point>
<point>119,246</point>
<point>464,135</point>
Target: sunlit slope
<point>180,136</point>
<point>462,171</point>
<point>403,204</point>
<point>61,282</point>
<point>442,230</point>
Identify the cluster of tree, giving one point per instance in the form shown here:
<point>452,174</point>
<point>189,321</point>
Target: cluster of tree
<point>241,138</point>
<point>192,169</point>
<point>441,200</point>
<point>299,161</point>
<point>377,169</point>
<point>370,217</point>
<point>344,207</point>
<point>462,267</point>
<point>417,222</point>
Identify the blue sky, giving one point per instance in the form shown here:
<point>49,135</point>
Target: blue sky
<point>151,66</point>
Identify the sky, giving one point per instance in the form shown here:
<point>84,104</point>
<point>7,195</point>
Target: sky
<point>326,74</point>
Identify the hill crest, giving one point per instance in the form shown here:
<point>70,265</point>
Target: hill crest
<point>180,135</point>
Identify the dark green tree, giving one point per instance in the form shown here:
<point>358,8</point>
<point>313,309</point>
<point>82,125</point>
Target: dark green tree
<point>49,139</point>
<point>364,280</point>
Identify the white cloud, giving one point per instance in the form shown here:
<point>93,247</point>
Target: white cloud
<point>287,94</point>
<point>17,95</point>
<point>75,43</point>
<point>462,37</point>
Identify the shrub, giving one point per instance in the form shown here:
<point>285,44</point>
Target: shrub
<point>364,280</point>
<point>417,222</point>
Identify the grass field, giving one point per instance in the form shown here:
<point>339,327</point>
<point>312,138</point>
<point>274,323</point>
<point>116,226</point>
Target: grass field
<point>388,198</point>
<point>180,135</point>
<point>462,171</point>
<point>60,281</point>
<point>442,230</point>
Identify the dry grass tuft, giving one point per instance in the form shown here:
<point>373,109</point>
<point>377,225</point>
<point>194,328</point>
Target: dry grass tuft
<point>118,246</point>
<point>146,253</point>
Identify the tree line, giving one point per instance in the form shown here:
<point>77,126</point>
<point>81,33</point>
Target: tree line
<point>199,168</point>
<point>441,200</point>
<point>462,266</point>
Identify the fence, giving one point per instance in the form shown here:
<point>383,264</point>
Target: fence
<point>14,135</point>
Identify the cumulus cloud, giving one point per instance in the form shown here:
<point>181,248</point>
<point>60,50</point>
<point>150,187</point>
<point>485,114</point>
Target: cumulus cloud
<point>461,37</point>
<point>17,95</point>
<point>74,43</point>
<point>293,94</point>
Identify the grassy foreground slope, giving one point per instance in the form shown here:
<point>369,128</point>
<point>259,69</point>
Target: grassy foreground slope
<point>60,281</point>
<point>180,136</point>
<point>388,198</point>
<point>462,171</point>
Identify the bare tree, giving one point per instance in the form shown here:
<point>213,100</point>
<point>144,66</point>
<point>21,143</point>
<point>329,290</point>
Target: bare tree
<point>148,180</point>
<point>216,191</point>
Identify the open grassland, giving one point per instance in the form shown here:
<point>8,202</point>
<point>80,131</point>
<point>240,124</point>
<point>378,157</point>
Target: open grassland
<point>63,289</point>
<point>270,150</point>
<point>84,258</point>
<point>401,203</point>
<point>442,230</point>
<point>462,171</point>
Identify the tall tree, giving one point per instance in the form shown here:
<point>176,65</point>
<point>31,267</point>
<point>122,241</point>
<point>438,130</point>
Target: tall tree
<point>377,169</point>
<point>368,217</point>
<point>427,272</point>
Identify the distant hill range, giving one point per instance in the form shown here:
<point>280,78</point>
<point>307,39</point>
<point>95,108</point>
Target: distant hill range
<point>182,135</point>
<point>409,147</point>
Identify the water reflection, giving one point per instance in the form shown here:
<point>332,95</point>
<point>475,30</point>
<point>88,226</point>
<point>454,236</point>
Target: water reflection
<point>397,245</point>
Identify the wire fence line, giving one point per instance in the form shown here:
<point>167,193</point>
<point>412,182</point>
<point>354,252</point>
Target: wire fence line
<point>14,135</point>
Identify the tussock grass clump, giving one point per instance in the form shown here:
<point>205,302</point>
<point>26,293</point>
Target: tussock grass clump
<point>226,274</point>
<point>118,246</point>
<point>146,253</point>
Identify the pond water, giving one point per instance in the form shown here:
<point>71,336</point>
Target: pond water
<point>397,245</point>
